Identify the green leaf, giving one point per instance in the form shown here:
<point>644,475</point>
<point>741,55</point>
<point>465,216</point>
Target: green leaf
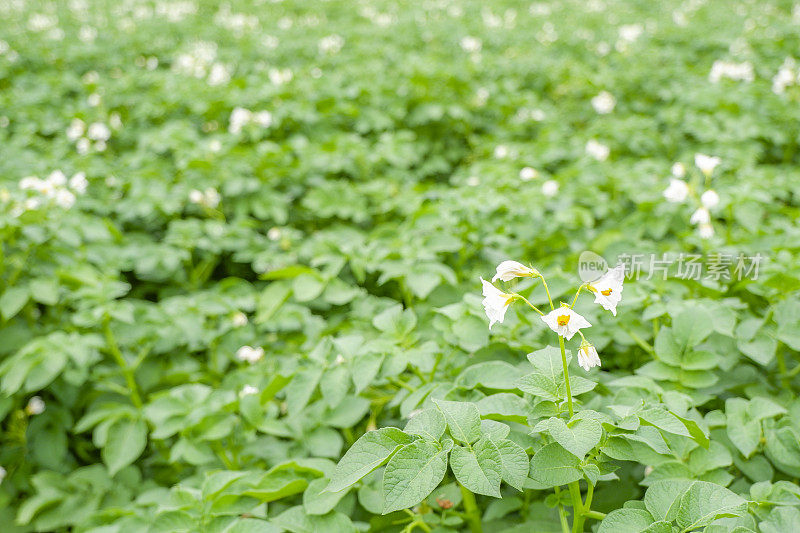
<point>478,469</point>
<point>126,441</point>
<point>514,463</point>
<point>491,375</point>
<point>626,521</point>
<point>663,420</point>
<point>552,465</point>
<point>428,423</point>
<point>12,300</point>
<point>691,326</point>
<point>663,498</point>
<point>578,438</point>
<point>704,502</point>
<point>411,474</point>
<point>317,500</point>
<point>365,455</point>
<point>463,419</point>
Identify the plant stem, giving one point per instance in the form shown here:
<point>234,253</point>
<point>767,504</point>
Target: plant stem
<point>577,507</point>
<point>561,514</point>
<point>782,369</point>
<point>575,300</point>
<point>547,290</point>
<point>597,515</point>
<point>566,374</point>
<point>527,302</point>
<point>471,508</point>
<point>113,348</point>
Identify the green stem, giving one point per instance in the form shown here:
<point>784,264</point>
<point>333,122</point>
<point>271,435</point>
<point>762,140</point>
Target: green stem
<point>597,515</point>
<point>641,342</point>
<point>577,507</point>
<point>562,514</point>
<point>547,290</point>
<point>527,302</point>
<point>575,300</point>
<point>471,508</point>
<point>782,369</point>
<point>113,348</point>
<point>566,374</point>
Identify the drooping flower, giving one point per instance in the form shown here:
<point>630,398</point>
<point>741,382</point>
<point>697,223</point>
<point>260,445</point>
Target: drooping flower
<point>709,199</point>
<point>508,270</point>
<point>701,216</point>
<point>608,289</point>
<point>677,191</point>
<point>565,321</point>
<point>587,356</point>
<point>706,163</point>
<point>495,302</point>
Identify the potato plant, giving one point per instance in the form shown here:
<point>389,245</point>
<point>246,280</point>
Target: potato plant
<point>375,266</point>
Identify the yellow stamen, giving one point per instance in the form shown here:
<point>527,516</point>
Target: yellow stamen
<point>563,320</point>
<point>606,292</point>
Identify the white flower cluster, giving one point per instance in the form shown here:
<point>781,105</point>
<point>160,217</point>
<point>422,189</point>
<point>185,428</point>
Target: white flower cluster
<point>280,76</point>
<point>250,354</point>
<point>201,62</point>
<point>55,187</point>
<point>94,137</point>
<point>209,198</point>
<point>332,44</point>
<point>240,117</point>
<point>563,320</point>
<point>471,45</point>
<point>734,71</point>
<point>679,190</point>
<point>604,103</point>
<point>788,75</point>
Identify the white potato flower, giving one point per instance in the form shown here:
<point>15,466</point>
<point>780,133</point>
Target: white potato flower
<point>604,103</point>
<point>706,231</point>
<point>247,390</point>
<point>528,174</point>
<point>701,216</point>
<point>565,322</point>
<point>709,199</point>
<point>495,302</point>
<point>550,188</point>
<point>608,289</point>
<point>30,183</point>
<point>508,270</point>
<point>250,354</point>
<point>587,356</point>
<point>706,163</point>
<point>35,406</point>
<point>597,150</point>
<point>239,319</point>
<point>196,197</point>
<point>57,178</point>
<point>678,170</point>
<point>64,198</point>
<point>98,132</point>
<point>677,191</point>
<point>78,182</point>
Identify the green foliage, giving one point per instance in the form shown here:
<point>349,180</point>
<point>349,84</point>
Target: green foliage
<point>240,251</point>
